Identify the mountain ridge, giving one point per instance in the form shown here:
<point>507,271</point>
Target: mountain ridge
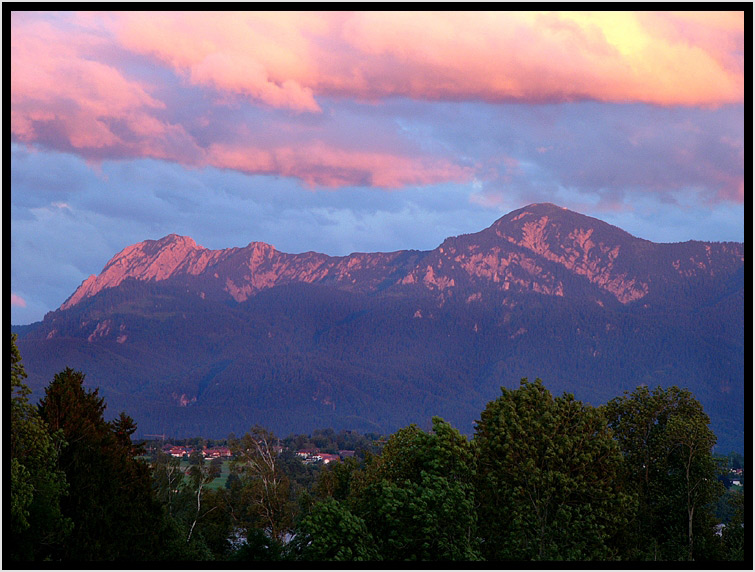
<point>199,341</point>
<point>259,265</point>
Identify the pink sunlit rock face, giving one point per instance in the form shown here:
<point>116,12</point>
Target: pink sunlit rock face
<point>541,248</point>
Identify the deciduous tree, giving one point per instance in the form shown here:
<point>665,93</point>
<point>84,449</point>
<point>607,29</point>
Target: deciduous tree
<point>37,485</point>
<point>546,478</point>
<point>417,498</point>
<point>265,489</point>
<point>667,448</point>
<point>332,532</point>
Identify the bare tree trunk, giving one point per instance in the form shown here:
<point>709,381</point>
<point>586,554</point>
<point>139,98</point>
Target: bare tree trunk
<point>196,516</point>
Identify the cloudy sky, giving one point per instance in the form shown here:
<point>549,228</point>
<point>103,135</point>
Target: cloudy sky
<point>344,132</point>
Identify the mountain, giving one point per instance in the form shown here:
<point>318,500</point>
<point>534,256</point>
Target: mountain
<point>194,341</point>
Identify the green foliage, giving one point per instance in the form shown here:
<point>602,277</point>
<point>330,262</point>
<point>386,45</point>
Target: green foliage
<point>259,547</point>
<point>336,479</point>
<point>733,535</point>
<point>168,480</point>
<point>667,444</point>
<point>546,478</point>
<point>332,532</point>
<point>216,523</point>
<point>735,460</point>
<point>264,489</point>
<point>328,441</point>
<point>111,503</point>
<point>199,514</point>
<point>431,519</point>
<point>413,502</point>
<point>37,485</point>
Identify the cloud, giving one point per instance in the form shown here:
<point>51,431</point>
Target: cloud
<point>286,59</point>
<point>16,300</point>
<point>319,165</point>
<point>595,149</point>
<point>60,91</point>
<point>184,86</point>
<point>263,56</point>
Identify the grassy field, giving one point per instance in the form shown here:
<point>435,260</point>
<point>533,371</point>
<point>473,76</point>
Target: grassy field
<point>218,482</point>
<point>215,484</point>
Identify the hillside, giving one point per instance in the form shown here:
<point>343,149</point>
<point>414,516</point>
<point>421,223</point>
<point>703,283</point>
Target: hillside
<point>195,341</point>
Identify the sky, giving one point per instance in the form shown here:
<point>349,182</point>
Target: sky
<point>345,132</point>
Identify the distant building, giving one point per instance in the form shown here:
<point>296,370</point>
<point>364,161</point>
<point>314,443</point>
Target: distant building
<point>216,452</point>
<point>178,451</point>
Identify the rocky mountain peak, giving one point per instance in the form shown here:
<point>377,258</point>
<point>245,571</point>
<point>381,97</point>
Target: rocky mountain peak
<point>539,248</point>
<point>147,260</point>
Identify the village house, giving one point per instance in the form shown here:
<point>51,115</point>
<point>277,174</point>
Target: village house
<point>216,452</point>
<point>176,451</point>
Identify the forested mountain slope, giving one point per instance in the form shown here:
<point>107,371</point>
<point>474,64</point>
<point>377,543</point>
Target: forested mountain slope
<point>194,341</point>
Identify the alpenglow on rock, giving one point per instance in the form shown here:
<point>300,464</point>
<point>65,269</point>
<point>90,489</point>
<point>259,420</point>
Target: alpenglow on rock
<point>191,341</point>
<point>541,248</point>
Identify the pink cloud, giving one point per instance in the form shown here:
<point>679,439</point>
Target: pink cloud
<point>321,165</point>
<point>72,90</point>
<point>264,56</point>
<point>286,59</point>
<point>16,300</point>
<point>62,96</point>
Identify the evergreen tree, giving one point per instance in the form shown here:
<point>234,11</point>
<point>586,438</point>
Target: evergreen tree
<point>115,513</point>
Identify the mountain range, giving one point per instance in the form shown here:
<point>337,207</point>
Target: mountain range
<point>192,341</point>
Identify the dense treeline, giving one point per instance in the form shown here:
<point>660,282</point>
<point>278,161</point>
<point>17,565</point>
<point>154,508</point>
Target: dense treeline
<point>325,440</point>
<point>542,478</point>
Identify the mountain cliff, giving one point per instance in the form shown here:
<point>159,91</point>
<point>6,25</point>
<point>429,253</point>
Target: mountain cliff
<point>198,341</point>
<point>540,248</point>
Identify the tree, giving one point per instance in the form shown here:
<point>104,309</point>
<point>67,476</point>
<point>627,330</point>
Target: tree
<point>332,532</point>
<point>265,489</point>
<point>696,475</point>
<point>733,535</point>
<point>417,498</point>
<point>200,475</point>
<point>667,449</point>
<point>335,480</point>
<point>37,485</point>
<point>168,480</point>
<point>187,505</point>
<point>111,502</point>
<point>546,478</point>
